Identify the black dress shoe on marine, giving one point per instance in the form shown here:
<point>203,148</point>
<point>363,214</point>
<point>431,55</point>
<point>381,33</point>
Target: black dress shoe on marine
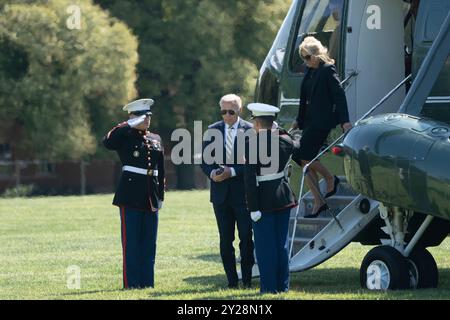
<point>247,285</point>
<point>233,286</point>
<point>332,192</point>
<point>316,214</point>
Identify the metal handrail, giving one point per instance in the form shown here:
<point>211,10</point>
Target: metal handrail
<point>306,167</point>
<point>352,74</point>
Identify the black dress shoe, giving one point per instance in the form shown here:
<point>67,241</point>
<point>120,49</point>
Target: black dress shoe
<point>316,214</point>
<point>332,192</point>
<point>232,286</point>
<point>247,285</point>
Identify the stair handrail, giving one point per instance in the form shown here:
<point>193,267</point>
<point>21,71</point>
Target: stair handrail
<point>306,167</point>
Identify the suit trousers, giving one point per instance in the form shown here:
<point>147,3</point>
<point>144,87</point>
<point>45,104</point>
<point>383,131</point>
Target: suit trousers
<point>139,230</point>
<point>272,250</point>
<point>227,216</point>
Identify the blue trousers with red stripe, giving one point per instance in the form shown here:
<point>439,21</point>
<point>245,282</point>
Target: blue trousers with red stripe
<point>139,230</point>
<point>272,250</point>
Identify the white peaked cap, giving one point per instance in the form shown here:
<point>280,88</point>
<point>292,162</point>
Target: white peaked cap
<point>139,105</point>
<point>262,109</point>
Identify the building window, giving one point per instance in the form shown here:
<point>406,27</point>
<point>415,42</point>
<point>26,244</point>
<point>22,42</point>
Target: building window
<point>5,151</point>
<point>45,167</point>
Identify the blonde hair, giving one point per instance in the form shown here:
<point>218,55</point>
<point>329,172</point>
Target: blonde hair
<point>233,98</point>
<point>314,47</point>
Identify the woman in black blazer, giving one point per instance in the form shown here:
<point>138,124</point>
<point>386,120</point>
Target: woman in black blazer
<point>322,107</point>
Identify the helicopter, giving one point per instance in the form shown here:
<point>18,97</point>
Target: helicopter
<point>394,59</point>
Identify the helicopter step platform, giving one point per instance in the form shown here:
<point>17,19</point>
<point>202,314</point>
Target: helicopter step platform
<point>316,240</point>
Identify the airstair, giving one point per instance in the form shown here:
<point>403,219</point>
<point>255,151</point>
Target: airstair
<point>316,240</point>
<point>313,241</point>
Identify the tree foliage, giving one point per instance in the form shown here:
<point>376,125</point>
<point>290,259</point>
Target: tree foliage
<point>194,51</point>
<point>64,86</point>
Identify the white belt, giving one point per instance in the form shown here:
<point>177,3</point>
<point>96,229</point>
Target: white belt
<point>275,176</point>
<point>145,172</point>
<point>270,177</point>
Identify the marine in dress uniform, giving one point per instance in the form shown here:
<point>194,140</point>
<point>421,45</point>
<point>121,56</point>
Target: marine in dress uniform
<point>270,198</point>
<point>140,193</point>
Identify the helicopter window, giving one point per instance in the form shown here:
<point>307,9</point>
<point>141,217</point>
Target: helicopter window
<point>321,19</point>
<point>437,106</point>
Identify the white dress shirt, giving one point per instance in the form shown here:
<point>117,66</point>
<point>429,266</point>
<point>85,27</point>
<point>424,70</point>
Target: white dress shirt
<point>233,135</point>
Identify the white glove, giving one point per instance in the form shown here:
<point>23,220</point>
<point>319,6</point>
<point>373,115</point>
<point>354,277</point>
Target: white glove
<point>160,204</point>
<point>136,121</point>
<point>256,215</point>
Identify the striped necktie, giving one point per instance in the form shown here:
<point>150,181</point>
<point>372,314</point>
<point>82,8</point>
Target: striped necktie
<point>229,144</point>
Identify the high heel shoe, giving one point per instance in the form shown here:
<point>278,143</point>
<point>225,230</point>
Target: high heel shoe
<point>332,192</point>
<point>316,214</point>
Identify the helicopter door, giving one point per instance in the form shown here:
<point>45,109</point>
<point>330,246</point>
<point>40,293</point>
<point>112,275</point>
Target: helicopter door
<point>374,47</point>
<point>323,19</point>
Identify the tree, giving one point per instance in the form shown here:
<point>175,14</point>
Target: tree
<point>194,51</point>
<point>62,84</point>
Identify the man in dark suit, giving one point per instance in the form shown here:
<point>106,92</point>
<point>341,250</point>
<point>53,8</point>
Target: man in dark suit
<point>140,193</point>
<point>227,191</point>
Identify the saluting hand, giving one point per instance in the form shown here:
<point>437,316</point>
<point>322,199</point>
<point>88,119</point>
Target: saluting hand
<point>136,121</point>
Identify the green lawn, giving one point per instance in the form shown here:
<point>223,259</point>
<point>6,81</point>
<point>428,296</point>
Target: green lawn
<point>40,238</point>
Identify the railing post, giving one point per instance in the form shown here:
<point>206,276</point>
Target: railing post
<point>83,177</point>
<point>17,166</point>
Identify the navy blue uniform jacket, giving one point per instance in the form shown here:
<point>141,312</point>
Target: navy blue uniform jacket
<point>141,149</point>
<point>275,195</point>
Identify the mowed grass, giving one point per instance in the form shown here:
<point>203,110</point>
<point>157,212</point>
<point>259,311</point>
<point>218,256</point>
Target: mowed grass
<point>40,238</point>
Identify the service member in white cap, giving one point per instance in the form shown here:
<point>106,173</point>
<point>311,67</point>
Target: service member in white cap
<point>140,193</point>
<point>270,197</point>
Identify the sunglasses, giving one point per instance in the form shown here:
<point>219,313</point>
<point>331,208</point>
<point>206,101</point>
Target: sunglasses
<point>230,112</point>
<point>140,113</point>
<point>306,58</point>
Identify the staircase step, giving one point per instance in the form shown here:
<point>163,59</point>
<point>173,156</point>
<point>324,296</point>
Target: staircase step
<point>308,228</point>
<point>344,188</point>
<point>299,243</point>
<point>336,205</point>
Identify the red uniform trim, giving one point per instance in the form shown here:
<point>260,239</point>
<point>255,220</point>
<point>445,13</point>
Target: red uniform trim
<point>124,247</point>
<point>120,125</point>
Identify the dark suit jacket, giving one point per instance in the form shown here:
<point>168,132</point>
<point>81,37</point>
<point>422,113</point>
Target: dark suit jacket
<point>231,190</point>
<point>327,102</point>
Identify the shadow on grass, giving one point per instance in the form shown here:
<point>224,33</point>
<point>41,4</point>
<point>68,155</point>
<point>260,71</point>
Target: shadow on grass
<point>214,285</point>
<point>338,281</point>
<point>335,283</point>
<point>82,293</point>
<point>209,258</point>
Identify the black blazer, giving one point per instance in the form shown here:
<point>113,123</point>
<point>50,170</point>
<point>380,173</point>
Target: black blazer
<point>137,191</point>
<point>231,190</point>
<point>327,102</point>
